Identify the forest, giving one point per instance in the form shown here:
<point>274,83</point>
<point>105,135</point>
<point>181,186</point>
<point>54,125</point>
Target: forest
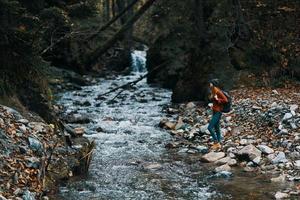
<point>149,99</point>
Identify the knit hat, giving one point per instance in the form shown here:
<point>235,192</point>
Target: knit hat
<point>215,82</point>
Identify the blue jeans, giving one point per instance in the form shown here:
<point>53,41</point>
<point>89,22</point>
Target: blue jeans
<point>214,126</point>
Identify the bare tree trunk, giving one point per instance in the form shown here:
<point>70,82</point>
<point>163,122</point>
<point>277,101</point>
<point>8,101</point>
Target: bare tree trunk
<point>120,14</point>
<point>113,8</point>
<point>121,6</point>
<point>92,57</point>
<point>107,10</point>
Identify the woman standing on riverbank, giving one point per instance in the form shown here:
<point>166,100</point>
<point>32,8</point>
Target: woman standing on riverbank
<point>219,99</point>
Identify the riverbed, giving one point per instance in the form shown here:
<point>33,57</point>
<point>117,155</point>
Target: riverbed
<point>130,160</point>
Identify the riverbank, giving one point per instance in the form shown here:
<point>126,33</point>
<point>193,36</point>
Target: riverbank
<point>35,157</point>
<point>261,135</point>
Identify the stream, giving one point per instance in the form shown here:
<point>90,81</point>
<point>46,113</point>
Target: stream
<point>130,160</point>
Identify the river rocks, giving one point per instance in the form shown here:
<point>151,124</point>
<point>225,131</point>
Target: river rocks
<point>279,158</point>
<point>28,195</point>
<point>294,107</point>
<point>164,123</point>
<point>213,156</point>
<point>35,144</point>
<point>2,197</point>
<point>249,152</point>
<point>287,116</point>
<point>202,149</point>
<point>224,167</point>
<point>25,147</point>
<point>265,149</point>
<point>263,131</point>
<point>153,166</point>
<point>279,179</point>
<point>227,160</point>
<point>77,119</point>
<point>297,164</point>
<point>281,195</point>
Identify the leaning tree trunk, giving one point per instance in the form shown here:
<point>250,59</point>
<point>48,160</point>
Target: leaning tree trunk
<point>113,20</point>
<point>107,10</point>
<point>93,57</point>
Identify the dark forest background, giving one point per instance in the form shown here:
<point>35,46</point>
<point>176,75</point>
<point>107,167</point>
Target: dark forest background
<point>243,43</point>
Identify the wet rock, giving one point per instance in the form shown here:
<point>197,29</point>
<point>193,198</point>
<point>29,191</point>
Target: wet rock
<point>221,168</point>
<point>297,164</point>
<point>279,179</point>
<point>281,195</point>
<point>213,156</point>
<point>223,174</point>
<point>179,124</point>
<point>170,146</point>
<point>165,123</point>
<point>265,149</point>
<point>226,160</point>
<point>287,116</point>
<point>35,144</point>
<point>79,131</point>
<point>28,195</point>
<point>190,105</point>
<point>77,119</point>
<point>294,107</point>
<point>279,158</point>
<point>33,162</point>
<point>23,121</point>
<point>153,166</point>
<point>202,149</point>
<point>257,160</point>
<point>99,129</point>
<point>249,152</point>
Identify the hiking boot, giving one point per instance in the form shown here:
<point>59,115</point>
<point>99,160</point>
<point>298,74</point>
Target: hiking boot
<point>216,146</point>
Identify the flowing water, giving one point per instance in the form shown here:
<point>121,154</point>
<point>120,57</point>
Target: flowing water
<point>130,160</point>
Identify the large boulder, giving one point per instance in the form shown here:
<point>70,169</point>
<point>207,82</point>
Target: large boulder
<point>249,153</point>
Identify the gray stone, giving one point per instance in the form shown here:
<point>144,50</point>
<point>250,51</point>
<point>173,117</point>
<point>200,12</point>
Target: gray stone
<point>257,160</point>
<point>153,166</point>
<point>2,197</point>
<point>226,160</point>
<point>287,116</point>
<point>213,156</point>
<point>222,168</point>
<point>190,105</point>
<point>297,164</point>
<point>35,144</point>
<point>265,149</point>
<point>28,195</point>
<point>294,107</point>
<point>249,152</point>
<point>279,179</point>
<point>23,121</point>
<point>281,195</point>
<point>279,158</point>
<point>202,149</point>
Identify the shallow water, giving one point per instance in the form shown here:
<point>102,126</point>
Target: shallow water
<point>130,160</point>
